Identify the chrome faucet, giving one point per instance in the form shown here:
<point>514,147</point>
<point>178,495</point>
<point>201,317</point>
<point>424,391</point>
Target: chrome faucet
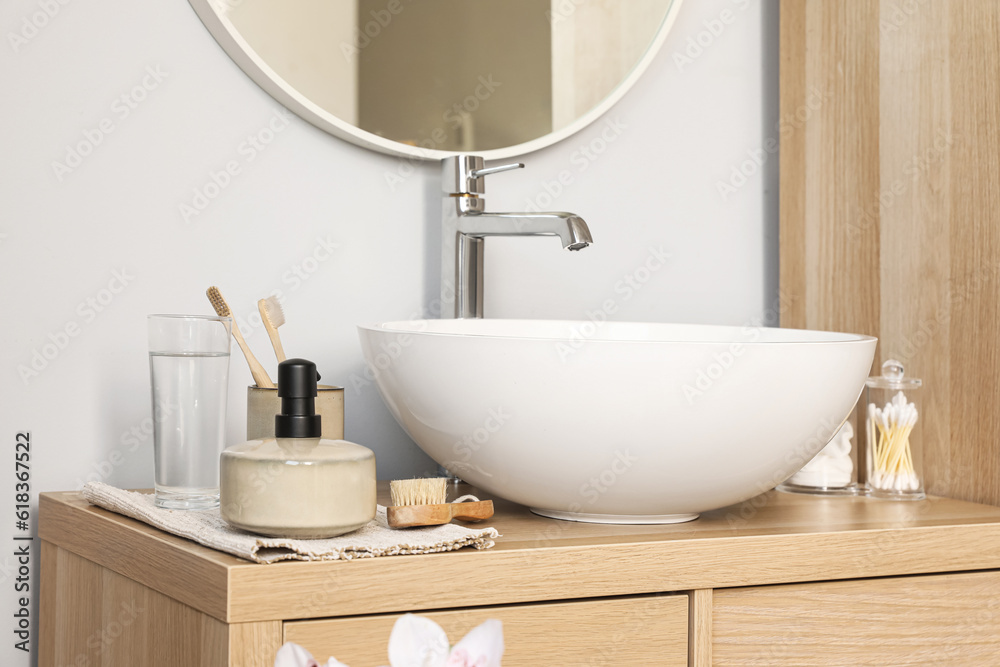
<point>465,225</point>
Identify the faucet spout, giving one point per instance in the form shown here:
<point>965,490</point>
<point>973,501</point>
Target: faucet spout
<point>571,229</point>
<point>578,234</point>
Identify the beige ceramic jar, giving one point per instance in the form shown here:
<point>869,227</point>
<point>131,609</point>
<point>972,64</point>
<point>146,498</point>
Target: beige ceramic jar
<point>297,485</point>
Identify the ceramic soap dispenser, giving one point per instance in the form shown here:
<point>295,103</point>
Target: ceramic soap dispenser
<point>296,484</point>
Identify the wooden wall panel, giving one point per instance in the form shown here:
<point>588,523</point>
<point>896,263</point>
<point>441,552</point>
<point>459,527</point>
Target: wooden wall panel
<point>829,79</point>
<point>974,219</point>
<point>792,151</point>
<point>890,206</point>
<point>915,139</point>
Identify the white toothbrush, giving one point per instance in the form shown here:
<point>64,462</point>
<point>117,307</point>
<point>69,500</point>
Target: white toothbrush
<point>273,316</point>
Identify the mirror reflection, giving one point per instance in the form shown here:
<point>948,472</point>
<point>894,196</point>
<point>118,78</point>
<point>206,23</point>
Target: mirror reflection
<point>454,75</point>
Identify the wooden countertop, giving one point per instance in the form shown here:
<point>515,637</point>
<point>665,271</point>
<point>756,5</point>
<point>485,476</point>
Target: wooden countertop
<point>773,538</point>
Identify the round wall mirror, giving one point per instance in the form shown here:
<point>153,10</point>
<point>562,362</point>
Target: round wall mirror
<point>430,78</point>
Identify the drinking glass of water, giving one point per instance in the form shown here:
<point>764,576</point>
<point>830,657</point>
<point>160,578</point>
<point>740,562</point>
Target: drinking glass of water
<point>189,373</point>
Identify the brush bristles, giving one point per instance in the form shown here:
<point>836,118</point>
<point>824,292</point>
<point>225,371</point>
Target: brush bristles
<point>220,305</point>
<point>427,491</point>
<point>275,313</point>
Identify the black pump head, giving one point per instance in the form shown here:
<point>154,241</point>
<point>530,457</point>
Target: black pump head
<point>297,380</point>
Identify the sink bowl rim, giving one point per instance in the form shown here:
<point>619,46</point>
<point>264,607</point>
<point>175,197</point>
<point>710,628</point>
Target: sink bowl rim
<point>579,328</point>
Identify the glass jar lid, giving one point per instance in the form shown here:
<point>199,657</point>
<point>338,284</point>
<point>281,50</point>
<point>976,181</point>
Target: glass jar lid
<point>893,377</point>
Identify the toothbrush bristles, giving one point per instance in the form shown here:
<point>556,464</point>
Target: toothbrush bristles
<point>218,303</point>
<point>275,313</point>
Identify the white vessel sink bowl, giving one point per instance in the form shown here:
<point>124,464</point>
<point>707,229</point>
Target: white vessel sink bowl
<point>617,422</point>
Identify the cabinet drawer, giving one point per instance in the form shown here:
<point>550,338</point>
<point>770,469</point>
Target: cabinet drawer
<point>951,619</point>
<point>647,630</point>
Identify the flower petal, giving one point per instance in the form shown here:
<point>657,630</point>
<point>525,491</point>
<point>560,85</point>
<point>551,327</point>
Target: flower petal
<point>482,647</point>
<point>293,655</point>
<point>417,641</point>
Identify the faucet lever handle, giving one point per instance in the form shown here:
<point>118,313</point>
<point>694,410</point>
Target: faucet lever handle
<point>486,171</point>
<point>462,175</point>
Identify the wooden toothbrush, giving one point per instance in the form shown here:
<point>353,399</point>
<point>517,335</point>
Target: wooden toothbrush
<point>222,310</point>
<point>421,502</point>
<point>273,316</point>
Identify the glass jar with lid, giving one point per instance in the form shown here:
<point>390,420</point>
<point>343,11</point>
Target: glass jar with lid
<point>892,435</point>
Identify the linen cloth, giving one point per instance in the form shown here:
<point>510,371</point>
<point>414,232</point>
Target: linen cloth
<point>207,527</point>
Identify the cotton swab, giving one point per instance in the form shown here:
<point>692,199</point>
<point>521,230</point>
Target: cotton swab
<point>889,431</point>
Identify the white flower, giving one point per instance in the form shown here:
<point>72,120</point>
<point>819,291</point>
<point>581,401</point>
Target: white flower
<point>417,641</point>
<point>482,647</point>
<point>293,655</point>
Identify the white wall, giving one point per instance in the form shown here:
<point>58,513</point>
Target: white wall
<point>680,131</point>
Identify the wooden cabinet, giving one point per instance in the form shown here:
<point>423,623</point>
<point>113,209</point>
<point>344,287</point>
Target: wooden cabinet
<point>646,630</point>
<point>779,580</point>
<point>951,619</point>
<point>91,615</point>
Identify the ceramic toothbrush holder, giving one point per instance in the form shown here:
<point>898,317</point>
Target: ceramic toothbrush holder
<point>263,404</point>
